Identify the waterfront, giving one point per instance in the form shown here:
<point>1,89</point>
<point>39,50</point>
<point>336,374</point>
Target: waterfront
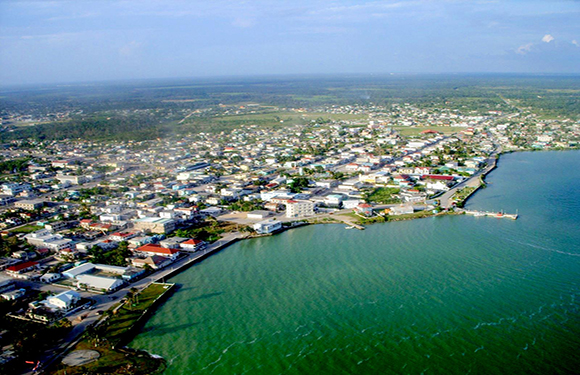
<point>438,295</point>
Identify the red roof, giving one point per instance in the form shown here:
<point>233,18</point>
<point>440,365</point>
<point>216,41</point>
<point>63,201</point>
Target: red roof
<point>438,177</point>
<point>192,242</point>
<point>21,266</point>
<point>157,249</point>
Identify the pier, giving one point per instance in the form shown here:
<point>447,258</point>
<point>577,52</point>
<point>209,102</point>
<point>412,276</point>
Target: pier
<point>499,215</point>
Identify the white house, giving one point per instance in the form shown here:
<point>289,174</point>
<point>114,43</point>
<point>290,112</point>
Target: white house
<point>64,300</point>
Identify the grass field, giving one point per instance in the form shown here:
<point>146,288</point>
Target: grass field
<point>416,130</point>
<point>26,229</point>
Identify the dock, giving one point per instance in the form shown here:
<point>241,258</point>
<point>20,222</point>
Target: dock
<point>499,215</point>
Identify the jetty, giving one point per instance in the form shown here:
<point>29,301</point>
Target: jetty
<point>499,215</point>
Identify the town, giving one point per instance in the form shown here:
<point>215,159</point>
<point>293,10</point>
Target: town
<point>86,224</point>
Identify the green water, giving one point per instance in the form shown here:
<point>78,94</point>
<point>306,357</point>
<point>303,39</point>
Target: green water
<point>447,295</point>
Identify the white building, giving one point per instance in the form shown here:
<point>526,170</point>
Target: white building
<point>63,301</point>
<point>299,208</point>
<point>99,283</point>
<point>267,226</point>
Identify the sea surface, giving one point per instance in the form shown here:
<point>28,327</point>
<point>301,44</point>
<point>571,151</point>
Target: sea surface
<point>442,295</point>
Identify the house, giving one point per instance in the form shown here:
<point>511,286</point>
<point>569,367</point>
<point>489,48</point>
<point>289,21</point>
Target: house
<point>153,249</point>
<point>155,262</point>
<point>364,209</point>
<point>63,301</point>
<point>192,245</point>
<point>267,226</point>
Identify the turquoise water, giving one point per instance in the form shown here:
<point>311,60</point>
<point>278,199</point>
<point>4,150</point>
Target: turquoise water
<point>446,295</point>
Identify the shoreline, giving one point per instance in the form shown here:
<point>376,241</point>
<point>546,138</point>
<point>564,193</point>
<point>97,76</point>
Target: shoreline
<point>206,254</point>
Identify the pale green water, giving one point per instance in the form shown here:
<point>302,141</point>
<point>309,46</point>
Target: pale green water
<point>448,295</point>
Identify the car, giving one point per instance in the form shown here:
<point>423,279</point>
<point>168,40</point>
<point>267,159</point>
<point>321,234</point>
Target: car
<point>99,312</point>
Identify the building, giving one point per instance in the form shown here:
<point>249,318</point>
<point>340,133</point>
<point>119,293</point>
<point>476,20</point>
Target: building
<point>99,283</point>
<point>48,278</point>
<point>29,205</point>
<point>364,209</point>
<point>153,249</point>
<point>155,262</point>
<point>192,245</point>
<point>18,269</point>
<point>267,226</point>
<point>155,225</point>
<point>295,209</point>
<point>63,301</point>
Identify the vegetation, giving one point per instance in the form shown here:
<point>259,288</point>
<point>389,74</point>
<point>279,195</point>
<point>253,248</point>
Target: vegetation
<point>382,195</point>
<point>115,257</point>
<point>30,339</point>
<point>113,332</point>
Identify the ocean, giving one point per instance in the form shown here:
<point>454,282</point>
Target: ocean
<point>441,295</point>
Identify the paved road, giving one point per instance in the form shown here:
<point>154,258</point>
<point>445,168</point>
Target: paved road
<point>105,302</point>
<point>473,181</point>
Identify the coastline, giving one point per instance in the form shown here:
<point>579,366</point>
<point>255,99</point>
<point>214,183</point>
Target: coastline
<point>205,255</point>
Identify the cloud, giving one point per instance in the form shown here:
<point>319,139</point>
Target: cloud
<point>575,42</point>
<point>547,38</point>
<point>523,49</point>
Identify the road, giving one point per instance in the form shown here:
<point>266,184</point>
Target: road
<point>473,181</point>
<point>104,302</point>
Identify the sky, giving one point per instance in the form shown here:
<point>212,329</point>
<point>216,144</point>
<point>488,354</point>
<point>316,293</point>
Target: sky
<point>53,41</point>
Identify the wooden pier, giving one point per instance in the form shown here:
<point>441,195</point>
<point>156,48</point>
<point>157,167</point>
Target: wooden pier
<point>499,215</point>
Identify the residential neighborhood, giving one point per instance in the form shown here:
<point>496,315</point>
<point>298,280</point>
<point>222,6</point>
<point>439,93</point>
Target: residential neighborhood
<point>82,218</point>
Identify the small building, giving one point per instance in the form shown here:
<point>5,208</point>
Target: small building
<point>364,209</point>
<point>48,278</point>
<point>192,245</point>
<point>63,301</point>
<point>13,294</point>
<point>267,226</point>
<point>154,261</point>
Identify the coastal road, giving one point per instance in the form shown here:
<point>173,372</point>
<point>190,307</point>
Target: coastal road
<point>473,181</point>
<point>104,302</point>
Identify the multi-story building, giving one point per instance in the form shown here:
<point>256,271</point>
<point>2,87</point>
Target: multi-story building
<point>296,208</point>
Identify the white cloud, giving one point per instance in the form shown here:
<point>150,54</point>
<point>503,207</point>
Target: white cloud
<point>523,49</point>
<point>575,42</point>
<point>547,38</point>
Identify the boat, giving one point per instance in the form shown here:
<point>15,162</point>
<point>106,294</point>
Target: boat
<point>350,227</point>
